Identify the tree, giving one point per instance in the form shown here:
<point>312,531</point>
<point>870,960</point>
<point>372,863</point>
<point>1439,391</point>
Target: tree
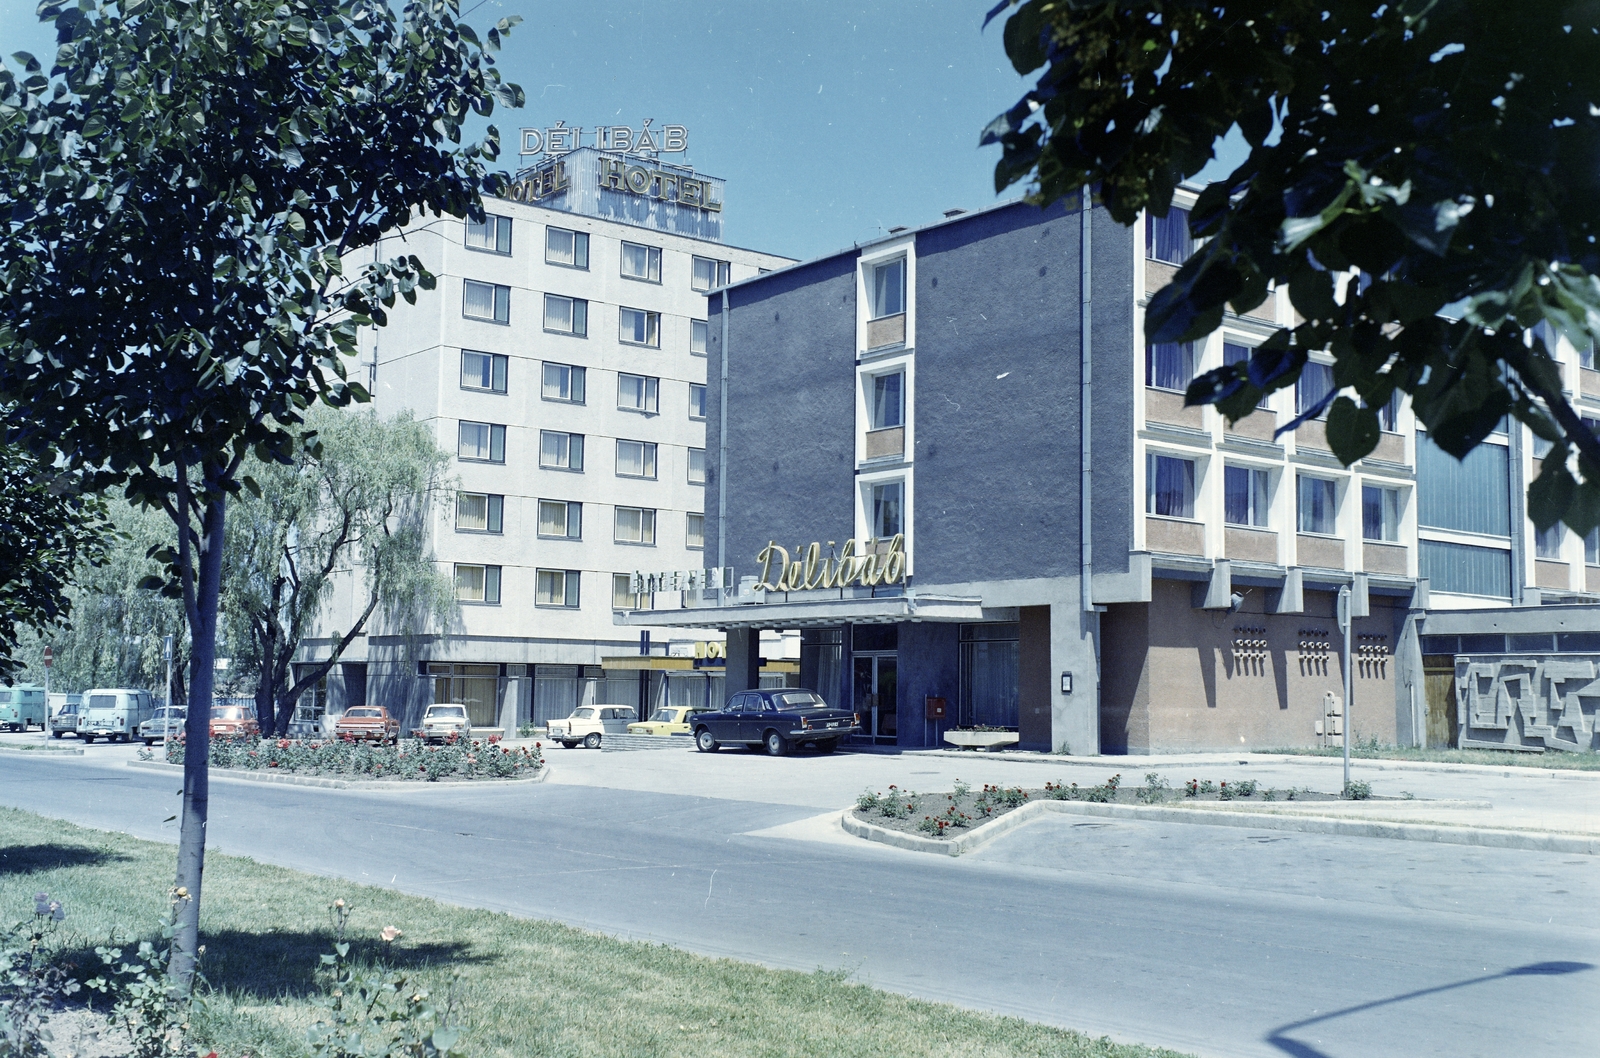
<point>116,635</point>
<point>355,501</point>
<point>48,528</point>
<point>1445,148</point>
<point>181,193</point>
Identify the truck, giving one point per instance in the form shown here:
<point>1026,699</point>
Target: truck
<point>21,707</point>
<point>113,713</point>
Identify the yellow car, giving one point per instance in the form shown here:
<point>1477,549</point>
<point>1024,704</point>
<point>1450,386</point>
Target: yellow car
<point>670,720</point>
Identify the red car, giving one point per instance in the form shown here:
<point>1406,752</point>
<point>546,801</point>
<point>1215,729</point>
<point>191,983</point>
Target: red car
<point>367,722</point>
<point>234,721</point>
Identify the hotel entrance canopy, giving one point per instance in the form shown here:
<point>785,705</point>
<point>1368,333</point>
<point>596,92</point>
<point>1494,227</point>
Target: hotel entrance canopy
<point>800,611</point>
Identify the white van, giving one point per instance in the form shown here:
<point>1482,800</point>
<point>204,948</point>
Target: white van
<point>113,714</point>
<point>21,707</point>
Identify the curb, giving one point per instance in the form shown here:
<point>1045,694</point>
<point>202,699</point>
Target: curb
<point>320,782</point>
<point>44,751</point>
<point>631,743</point>
<point>1362,828</point>
<point>1232,760</point>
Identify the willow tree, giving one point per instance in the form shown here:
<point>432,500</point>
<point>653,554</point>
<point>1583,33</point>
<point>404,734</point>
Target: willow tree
<point>1449,150</point>
<point>182,191</point>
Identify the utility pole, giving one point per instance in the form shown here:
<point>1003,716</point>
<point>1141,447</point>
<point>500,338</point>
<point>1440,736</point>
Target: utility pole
<point>1344,627</point>
<point>49,660</point>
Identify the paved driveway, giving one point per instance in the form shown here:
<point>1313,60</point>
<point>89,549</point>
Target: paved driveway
<point>1220,941</point>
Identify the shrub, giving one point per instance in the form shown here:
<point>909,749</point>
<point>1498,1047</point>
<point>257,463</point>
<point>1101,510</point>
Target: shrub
<point>1154,790</point>
<point>1269,794</point>
<point>1245,787</point>
<point>145,1002</point>
<point>1356,790</point>
<point>1207,786</point>
<point>1224,794</point>
<point>867,801</point>
<point>1058,792</point>
<point>409,759</point>
<point>1191,788</point>
<point>31,984</point>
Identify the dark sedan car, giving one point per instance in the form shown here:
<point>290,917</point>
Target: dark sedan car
<point>776,719</point>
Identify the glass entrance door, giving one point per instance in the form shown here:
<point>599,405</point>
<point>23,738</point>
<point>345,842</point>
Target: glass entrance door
<point>877,696</point>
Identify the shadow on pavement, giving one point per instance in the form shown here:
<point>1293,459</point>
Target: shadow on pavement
<point>1280,1039</point>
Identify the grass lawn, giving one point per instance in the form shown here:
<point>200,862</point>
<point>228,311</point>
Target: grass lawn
<point>1496,757</point>
<point>528,988</point>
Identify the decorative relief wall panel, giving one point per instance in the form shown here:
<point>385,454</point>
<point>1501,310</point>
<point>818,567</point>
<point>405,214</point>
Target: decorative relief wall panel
<point>1528,702</point>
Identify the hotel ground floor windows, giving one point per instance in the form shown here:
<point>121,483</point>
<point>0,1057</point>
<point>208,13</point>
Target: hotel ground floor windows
<point>1169,486</point>
<point>990,668</point>
<point>475,686</point>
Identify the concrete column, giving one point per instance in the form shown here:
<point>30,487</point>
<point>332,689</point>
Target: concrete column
<point>1075,717</point>
<point>744,660</point>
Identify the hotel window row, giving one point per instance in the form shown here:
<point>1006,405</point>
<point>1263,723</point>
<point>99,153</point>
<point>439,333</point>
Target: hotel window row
<point>569,316</point>
<point>568,384</point>
<point>478,512</point>
<point>1172,489</point>
<point>561,588</point>
<point>482,442</point>
<point>566,248</point>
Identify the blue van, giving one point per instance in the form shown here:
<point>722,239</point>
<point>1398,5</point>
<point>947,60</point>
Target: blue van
<point>22,707</point>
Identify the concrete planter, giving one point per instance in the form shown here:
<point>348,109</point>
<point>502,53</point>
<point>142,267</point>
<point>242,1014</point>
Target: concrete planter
<point>989,740</point>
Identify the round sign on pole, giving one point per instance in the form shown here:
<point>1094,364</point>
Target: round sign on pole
<point>49,657</point>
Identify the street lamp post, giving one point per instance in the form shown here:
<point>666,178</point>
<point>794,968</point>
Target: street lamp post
<point>166,723</point>
<point>1344,627</point>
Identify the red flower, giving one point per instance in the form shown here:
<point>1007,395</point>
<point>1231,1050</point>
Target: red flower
<point>283,743</point>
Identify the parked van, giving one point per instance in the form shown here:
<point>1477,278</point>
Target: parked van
<point>21,707</point>
<point>113,714</point>
<point>65,712</point>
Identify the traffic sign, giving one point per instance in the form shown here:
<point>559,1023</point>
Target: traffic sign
<point>49,657</point>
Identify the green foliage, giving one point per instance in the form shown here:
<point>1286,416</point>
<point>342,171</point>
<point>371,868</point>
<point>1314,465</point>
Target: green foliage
<point>1154,790</point>
<point>32,983</point>
<point>1356,790</point>
<point>1446,150</point>
<point>48,529</point>
<point>356,493</point>
<point>366,1014</point>
<point>410,760</point>
<point>151,1007</point>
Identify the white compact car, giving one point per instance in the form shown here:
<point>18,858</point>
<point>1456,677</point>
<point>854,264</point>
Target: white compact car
<point>442,721</point>
<point>589,722</point>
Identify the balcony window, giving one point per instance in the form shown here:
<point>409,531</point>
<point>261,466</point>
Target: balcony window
<point>560,520</point>
<point>478,512</point>
<point>641,262</point>
<point>1246,494</point>
<point>888,289</point>
<point>1169,365</point>
<point>888,510</point>
<point>635,525</point>
<point>492,234</point>
<point>694,535</point>
<point>697,466</point>
<point>638,393</point>
<point>638,327</point>
<point>564,382</point>
<point>888,401</point>
<point>709,274</point>
<point>1167,238</point>
<point>485,301</point>
<point>699,337</point>
<point>557,587</point>
<point>1312,388</point>
<point>569,249</point>
<point>560,451</point>
<point>1233,353</point>
<point>697,401</point>
<point>1169,486</point>
<point>481,442</point>
<point>1380,514</point>
<point>478,584</point>
<point>1547,542</point>
<point>483,371</point>
<point>566,315</point>
<point>636,459</point>
<point>1318,505</point>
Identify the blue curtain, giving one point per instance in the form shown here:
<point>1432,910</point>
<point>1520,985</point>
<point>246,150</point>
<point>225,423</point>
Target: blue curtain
<point>1171,489</point>
<point>1169,365</point>
<point>1317,502</point>
<point>1167,238</point>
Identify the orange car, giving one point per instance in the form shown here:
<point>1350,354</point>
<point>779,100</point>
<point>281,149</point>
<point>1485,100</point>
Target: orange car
<point>367,722</point>
<point>234,721</point>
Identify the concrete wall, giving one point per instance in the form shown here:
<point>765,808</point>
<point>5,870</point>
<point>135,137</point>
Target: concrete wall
<point>1201,683</point>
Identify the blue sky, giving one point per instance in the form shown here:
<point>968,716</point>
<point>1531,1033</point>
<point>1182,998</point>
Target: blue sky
<point>831,120</point>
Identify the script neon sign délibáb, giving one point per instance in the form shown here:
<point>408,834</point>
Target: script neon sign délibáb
<point>808,569</point>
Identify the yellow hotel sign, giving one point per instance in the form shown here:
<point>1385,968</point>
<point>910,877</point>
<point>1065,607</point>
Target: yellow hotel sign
<point>808,569</point>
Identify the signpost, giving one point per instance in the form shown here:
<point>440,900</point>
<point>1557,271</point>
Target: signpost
<point>1344,627</point>
<point>166,723</point>
<point>49,659</point>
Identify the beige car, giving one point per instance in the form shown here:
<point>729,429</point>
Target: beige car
<point>442,721</point>
<point>589,722</point>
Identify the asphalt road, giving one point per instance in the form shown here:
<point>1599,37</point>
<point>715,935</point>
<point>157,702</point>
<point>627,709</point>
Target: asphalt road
<point>1219,941</point>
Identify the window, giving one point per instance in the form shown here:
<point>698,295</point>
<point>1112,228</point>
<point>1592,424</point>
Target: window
<point>1245,496</point>
<point>1318,500</point>
<point>478,584</point>
<point>1313,387</point>
<point>564,382</point>
<point>479,512</point>
<point>697,466</point>
<point>694,535</point>
<point>557,587</point>
<point>570,249</point>
<point>482,442</point>
<point>1167,238</point>
<point>623,596</point>
<point>1233,353</point>
<point>1586,355</point>
<point>699,337</point>
<point>1380,514</point>
<point>485,301</point>
<point>638,393</point>
<point>709,274</point>
<point>697,401</point>
<point>492,233</point>
<point>638,327</point>
<point>1462,569</point>
<point>566,315</point>
<point>1547,542</point>
<point>889,289</point>
<point>485,371</point>
<point>635,525</point>
<point>1389,414</point>
<point>1169,486</point>
<point>641,262</point>
<point>636,459</point>
<point>1169,365</point>
<point>1469,496</point>
<point>888,400</point>
<point>888,509</point>
<point>561,519</point>
<point>1591,547</point>
<point>560,451</point>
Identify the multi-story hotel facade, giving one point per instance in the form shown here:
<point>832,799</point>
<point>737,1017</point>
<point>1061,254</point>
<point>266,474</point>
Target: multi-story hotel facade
<point>1081,559</point>
<point>561,360</point>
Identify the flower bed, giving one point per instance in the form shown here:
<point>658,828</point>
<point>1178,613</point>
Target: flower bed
<point>409,760</point>
<point>937,815</point>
